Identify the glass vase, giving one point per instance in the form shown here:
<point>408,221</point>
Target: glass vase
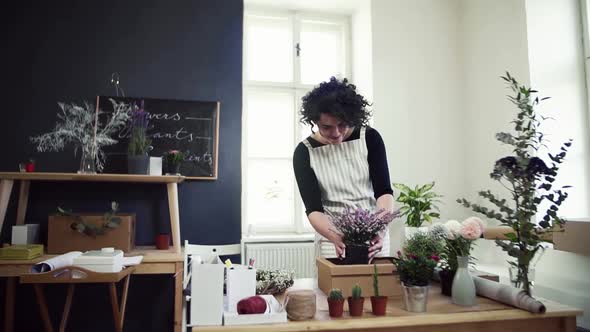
<point>87,162</point>
<point>517,281</point>
<point>463,291</point>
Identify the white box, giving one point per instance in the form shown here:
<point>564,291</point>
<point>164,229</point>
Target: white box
<point>241,283</point>
<point>155,166</point>
<point>206,293</point>
<point>25,234</point>
<point>274,314</point>
<point>104,260</point>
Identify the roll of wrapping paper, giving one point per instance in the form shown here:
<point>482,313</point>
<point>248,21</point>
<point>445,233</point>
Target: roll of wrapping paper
<point>300,304</point>
<point>499,233</point>
<point>507,295</point>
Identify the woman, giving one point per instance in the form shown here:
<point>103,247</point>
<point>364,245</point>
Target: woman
<point>342,165</point>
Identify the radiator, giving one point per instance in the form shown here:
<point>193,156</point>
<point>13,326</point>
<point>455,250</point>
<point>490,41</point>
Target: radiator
<point>298,256</point>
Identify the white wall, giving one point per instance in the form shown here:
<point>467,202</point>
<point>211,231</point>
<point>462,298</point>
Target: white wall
<point>362,52</point>
<point>416,75</point>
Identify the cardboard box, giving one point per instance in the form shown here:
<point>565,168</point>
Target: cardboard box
<point>331,275</point>
<point>61,238</point>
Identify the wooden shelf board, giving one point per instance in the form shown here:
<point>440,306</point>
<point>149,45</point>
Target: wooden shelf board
<point>43,176</point>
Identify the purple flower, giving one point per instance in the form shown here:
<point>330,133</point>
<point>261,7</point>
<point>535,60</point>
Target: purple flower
<point>359,226</point>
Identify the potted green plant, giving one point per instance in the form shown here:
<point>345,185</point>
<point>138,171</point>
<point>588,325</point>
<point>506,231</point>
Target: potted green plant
<point>378,302</point>
<point>335,302</point>
<point>78,126</point>
<point>356,301</point>
<point>416,268</point>
<point>418,205</point>
<point>138,160</point>
<point>358,227</point>
<point>173,160</point>
<point>530,183</point>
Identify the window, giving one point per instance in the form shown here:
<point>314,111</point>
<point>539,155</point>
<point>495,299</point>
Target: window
<point>585,6</point>
<point>285,55</point>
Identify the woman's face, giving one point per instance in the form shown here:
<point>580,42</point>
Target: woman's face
<point>332,129</point>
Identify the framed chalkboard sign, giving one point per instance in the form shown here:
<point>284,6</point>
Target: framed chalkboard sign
<point>188,126</point>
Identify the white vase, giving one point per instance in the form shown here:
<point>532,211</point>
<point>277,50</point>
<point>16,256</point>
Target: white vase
<point>463,292</point>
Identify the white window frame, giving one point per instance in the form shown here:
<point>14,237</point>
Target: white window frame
<point>298,89</point>
<point>585,10</point>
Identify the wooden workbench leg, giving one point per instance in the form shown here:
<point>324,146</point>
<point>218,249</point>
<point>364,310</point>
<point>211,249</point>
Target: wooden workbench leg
<point>124,298</point>
<point>178,296</point>
<point>569,324</point>
<point>23,201</point>
<point>115,307</point>
<point>43,307</point>
<point>67,306</point>
<point>174,215</point>
<point>5,190</point>
<point>9,304</point>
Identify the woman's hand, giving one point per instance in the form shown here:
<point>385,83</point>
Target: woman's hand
<point>339,246</point>
<point>376,246</point>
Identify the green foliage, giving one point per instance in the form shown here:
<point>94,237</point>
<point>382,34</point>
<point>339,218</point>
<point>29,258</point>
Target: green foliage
<point>335,294</point>
<point>418,204</point>
<point>356,291</point>
<point>528,180</point>
<point>375,280</point>
<point>421,255</point>
<point>424,245</point>
<point>110,221</point>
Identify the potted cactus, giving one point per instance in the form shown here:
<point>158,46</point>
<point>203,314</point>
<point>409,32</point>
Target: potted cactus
<point>335,302</point>
<point>356,301</point>
<point>378,303</point>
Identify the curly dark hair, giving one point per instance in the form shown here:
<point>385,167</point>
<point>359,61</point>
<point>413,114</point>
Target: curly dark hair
<point>336,98</point>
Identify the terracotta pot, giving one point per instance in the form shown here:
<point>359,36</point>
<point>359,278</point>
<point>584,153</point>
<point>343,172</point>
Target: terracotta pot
<point>336,307</point>
<point>446,281</point>
<point>356,254</point>
<point>379,304</point>
<point>163,241</point>
<point>355,306</point>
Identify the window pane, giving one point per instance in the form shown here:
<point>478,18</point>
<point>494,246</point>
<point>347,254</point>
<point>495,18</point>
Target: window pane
<point>270,193</point>
<point>269,49</point>
<point>322,51</point>
<point>270,125</point>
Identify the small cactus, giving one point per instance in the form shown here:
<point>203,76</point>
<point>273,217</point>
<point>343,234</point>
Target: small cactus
<point>375,280</point>
<point>336,294</point>
<point>356,291</point>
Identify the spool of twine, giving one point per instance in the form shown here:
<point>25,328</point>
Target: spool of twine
<point>301,304</point>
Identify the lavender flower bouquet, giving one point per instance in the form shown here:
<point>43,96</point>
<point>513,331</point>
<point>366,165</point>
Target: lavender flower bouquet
<point>358,227</point>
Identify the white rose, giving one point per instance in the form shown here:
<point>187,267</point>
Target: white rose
<point>453,228</point>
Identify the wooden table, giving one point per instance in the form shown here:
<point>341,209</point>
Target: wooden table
<point>442,316</point>
<point>154,262</point>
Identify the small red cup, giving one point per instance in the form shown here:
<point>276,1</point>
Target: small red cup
<point>162,241</point>
<point>30,167</point>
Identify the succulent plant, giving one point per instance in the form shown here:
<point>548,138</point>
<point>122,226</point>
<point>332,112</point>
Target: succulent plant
<point>335,294</point>
<point>375,280</point>
<point>356,291</point>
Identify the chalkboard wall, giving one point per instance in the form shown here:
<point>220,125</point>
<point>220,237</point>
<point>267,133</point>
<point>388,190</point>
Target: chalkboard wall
<point>66,51</point>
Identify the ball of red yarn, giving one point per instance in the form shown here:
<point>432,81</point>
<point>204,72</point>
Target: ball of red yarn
<point>252,305</point>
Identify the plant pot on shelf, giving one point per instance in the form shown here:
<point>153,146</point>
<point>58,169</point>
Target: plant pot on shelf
<point>446,281</point>
<point>379,305</point>
<point>336,307</point>
<point>138,164</point>
<point>356,254</point>
<point>173,169</point>
<point>415,297</point>
<point>355,306</point>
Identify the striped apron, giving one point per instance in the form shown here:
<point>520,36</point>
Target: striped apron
<point>342,171</point>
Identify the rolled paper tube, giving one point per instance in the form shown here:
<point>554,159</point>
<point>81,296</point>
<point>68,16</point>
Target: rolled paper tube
<point>301,304</point>
<point>499,233</point>
<point>507,295</point>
